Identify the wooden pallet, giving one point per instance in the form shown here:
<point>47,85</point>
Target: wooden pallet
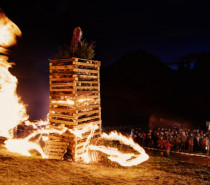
<point>59,145</point>
<point>74,103</point>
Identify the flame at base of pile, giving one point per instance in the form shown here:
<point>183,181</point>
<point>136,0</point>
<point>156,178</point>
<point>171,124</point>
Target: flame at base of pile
<point>124,159</point>
<point>23,146</point>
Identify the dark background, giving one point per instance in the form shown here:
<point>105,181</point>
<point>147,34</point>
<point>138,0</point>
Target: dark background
<point>139,44</point>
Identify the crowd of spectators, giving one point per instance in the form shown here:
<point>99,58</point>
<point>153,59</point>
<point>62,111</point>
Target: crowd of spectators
<point>177,139</point>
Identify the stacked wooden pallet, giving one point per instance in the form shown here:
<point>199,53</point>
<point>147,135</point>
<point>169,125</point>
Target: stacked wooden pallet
<point>74,104</point>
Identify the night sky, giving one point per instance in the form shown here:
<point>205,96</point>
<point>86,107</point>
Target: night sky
<point>167,28</point>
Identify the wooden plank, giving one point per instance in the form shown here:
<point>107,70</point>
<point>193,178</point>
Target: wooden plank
<point>63,60</point>
<point>86,87</point>
<point>65,135</point>
<point>87,92</point>
<point>59,128</point>
<point>88,97</point>
<point>55,157</point>
<point>80,126</point>
<point>61,96</point>
<point>55,146</point>
<point>95,65</point>
<point>73,97</point>
<point>85,61</point>
<point>63,122</point>
<point>63,79</point>
<point>87,82</point>
<point>89,107</point>
<point>61,116</point>
<point>87,77</point>
<point>58,107</point>
<point>63,74</point>
<point>54,138</point>
<point>88,61</point>
<point>86,70</point>
<point>55,150</point>
<point>50,149</point>
<point>52,142</point>
<point>62,84</point>
<point>57,138</point>
<point>88,118</point>
<point>96,133</point>
<point>62,110</point>
<point>63,67</point>
<point>58,152</point>
<point>86,102</point>
<point>58,90</point>
<point>58,104</point>
<point>60,77</point>
<point>87,113</point>
<point>69,135</point>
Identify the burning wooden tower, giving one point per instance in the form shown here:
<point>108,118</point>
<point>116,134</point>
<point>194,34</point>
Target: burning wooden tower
<point>75,105</point>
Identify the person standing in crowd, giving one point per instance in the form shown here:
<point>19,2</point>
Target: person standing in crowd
<point>183,141</point>
<point>132,132</point>
<point>150,142</point>
<point>190,144</point>
<point>203,144</point>
<point>161,145</point>
<point>207,144</point>
<point>197,142</point>
<point>167,146</point>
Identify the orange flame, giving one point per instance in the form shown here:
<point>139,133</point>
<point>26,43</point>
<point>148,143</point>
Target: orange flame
<point>8,33</point>
<point>124,159</point>
<point>12,111</point>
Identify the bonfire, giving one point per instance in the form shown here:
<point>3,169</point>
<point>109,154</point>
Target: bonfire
<point>13,115</point>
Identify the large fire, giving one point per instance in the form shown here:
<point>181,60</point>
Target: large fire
<point>12,110</point>
<point>13,113</point>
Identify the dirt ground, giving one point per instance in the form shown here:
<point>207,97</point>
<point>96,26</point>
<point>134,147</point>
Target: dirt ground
<point>17,169</point>
<point>201,160</point>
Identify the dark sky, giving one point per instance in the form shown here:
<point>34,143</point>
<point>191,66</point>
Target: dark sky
<point>166,28</point>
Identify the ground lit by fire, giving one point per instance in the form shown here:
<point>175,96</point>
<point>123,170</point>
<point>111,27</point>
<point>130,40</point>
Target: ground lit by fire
<point>18,169</point>
<point>13,112</point>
